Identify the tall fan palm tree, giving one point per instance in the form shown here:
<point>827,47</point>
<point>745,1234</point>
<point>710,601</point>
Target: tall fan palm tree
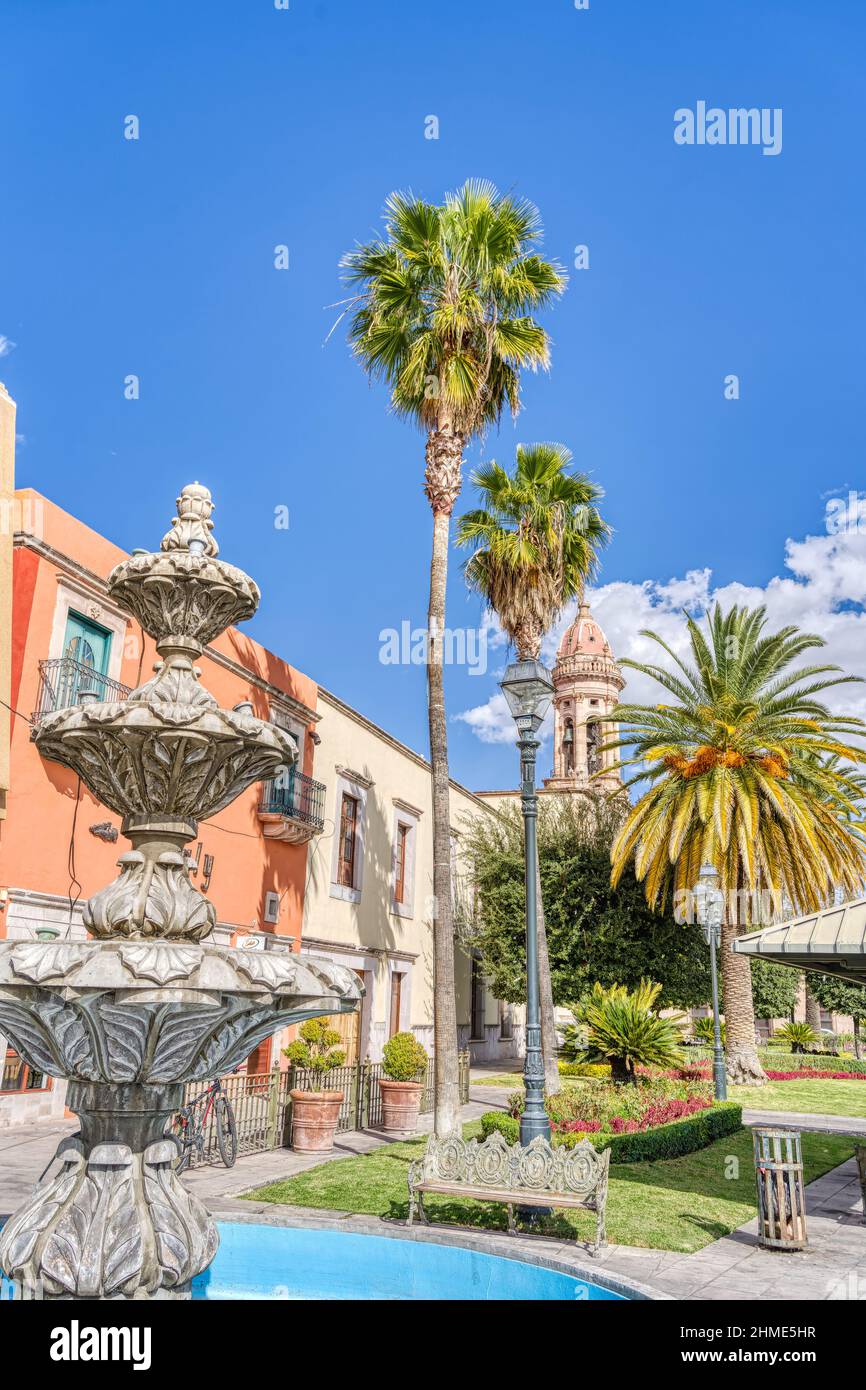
<point>443,314</point>
<point>738,779</point>
<point>535,541</point>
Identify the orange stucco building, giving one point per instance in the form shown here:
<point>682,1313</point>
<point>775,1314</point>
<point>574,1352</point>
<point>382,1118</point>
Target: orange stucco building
<point>58,845</point>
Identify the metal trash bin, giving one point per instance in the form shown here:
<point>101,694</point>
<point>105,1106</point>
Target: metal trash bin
<point>860,1155</point>
<point>781,1196</point>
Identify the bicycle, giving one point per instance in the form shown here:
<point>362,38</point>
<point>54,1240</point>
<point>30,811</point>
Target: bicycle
<point>190,1126</point>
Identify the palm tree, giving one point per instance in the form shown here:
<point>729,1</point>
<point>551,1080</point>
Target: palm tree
<point>737,779</point>
<point>535,542</point>
<point>443,314</point>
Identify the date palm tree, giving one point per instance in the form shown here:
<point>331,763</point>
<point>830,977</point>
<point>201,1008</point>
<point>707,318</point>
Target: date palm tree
<point>535,543</point>
<point>443,312</point>
<point>738,778</point>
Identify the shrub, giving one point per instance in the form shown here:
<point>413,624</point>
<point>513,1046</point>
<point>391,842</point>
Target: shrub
<point>614,1109</point>
<point>623,1028</point>
<point>672,1140</point>
<point>403,1057</point>
<point>316,1050</point>
<point>593,1071</point>
<point>798,1036</point>
<point>703,1030</point>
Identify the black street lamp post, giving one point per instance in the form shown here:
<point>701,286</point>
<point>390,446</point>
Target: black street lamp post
<point>528,688</point>
<point>711,901</point>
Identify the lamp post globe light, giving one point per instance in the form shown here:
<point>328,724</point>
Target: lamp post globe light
<point>710,903</point>
<point>528,689</point>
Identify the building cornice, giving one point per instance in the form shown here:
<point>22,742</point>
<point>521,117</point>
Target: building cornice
<point>326,697</point>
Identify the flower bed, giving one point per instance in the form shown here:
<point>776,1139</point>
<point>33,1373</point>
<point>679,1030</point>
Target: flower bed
<point>701,1072</point>
<point>692,1131</point>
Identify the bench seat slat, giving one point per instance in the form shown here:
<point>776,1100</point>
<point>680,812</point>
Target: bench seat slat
<point>516,1196</point>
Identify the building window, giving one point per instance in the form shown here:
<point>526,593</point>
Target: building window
<point>506,1022</point>
<point>348,841</point>
<point>402,865</point>
<point>17,1076</point>
<point>396,999</point>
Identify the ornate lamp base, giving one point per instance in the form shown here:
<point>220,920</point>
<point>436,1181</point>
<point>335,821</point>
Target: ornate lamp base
<point>115,1222</point>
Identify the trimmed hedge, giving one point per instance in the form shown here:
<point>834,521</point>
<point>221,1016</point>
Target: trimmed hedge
<point>643,1146</point>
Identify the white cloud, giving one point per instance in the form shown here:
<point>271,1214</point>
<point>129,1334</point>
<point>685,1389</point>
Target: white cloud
<point>6,345</point>
<point>823,591</point>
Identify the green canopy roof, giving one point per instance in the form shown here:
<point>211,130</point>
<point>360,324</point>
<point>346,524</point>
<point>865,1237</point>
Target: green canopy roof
<point>832,941</point>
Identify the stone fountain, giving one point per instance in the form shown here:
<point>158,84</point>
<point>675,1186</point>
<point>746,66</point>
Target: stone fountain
<point>150,1003</point>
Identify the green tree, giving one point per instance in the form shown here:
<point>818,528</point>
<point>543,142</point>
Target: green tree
<point>443,312</point>
<point>774,989</point>
<point>841,997</point>
<point>535,542</point>
<point>595,932</point>
<point>734,780</point>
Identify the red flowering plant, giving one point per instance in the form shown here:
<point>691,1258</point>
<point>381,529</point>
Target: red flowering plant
<point>655,1100</point>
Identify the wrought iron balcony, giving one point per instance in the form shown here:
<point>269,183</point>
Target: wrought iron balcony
<point>64,682</point>
<point>292,808</point>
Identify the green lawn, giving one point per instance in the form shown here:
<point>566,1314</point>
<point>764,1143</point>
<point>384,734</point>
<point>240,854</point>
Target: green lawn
<point>822,1096</point>
<point>678,1204</point>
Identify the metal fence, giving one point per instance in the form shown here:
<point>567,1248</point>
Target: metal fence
<point>262,1102</point>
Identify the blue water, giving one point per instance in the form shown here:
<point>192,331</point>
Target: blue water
<point>279,1262</point>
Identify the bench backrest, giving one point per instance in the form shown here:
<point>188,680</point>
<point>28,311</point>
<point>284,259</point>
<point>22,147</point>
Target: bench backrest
<point>495,1163</point>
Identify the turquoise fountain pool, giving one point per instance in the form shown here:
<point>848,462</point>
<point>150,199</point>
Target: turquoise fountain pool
<point>280,1262</point>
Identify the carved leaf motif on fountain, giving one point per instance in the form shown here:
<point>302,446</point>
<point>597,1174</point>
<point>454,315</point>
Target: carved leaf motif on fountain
<point>136,763</point>
<point>160,962</point>
<point>151,898</point>
<point>180,598</point>
<point>108,1225</point>
<point>38,961</point>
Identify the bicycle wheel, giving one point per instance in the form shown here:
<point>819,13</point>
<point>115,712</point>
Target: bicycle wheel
<point>226,1131</point>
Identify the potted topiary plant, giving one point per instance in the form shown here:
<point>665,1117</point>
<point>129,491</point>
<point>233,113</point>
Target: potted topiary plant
<point>315,1111</point>
<point>403,1061</point>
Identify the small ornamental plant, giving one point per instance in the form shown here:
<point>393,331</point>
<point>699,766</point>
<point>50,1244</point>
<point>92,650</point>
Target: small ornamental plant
<point>316,1050</point>
<point>403,1058</point>
<point>797,1036</point>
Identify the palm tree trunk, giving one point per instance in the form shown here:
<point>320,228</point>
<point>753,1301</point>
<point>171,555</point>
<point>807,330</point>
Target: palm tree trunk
<point>442,486</point>
<point>813,1010</point>
<point>741,1052</point>
<point>857,1047</point>
<point>549,1049</point>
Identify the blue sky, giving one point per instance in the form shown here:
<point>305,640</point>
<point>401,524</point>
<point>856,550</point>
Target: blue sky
<point>262,127</point>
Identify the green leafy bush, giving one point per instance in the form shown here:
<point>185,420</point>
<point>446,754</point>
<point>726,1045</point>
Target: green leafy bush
<point>798,1036</point>
<point>316,1050</point>
<point>703,1028</point>
<point>666,1141</point>
<point>623,1028</point>
<point>593,1071</point>
<point>403,1058</point>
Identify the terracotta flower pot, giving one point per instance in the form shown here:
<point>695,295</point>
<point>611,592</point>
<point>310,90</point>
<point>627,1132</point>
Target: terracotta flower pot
<point>314,1120</point>
<point>401,1103</point>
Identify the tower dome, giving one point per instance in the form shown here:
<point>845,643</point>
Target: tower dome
<point>587,683</point>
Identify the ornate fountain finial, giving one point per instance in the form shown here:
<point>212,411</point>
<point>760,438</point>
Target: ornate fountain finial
<point>191,528</point>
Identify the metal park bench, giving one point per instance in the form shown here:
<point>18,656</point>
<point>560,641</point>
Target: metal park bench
<point>496,1171</point>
